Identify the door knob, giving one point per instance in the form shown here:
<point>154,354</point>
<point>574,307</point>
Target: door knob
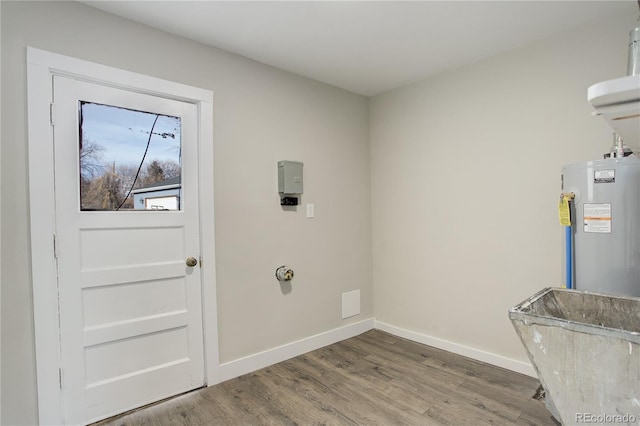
<point>191,261</point>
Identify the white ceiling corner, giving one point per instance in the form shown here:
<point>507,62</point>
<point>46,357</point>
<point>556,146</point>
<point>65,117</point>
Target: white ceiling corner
<point>366,47</point>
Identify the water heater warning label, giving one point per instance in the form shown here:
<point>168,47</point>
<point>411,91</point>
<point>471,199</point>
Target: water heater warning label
<point>604,176</point>
<point>597,218</point>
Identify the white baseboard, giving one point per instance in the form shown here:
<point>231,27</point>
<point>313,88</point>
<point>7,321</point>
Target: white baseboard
<point>238,367</point>
<point>457,348</point>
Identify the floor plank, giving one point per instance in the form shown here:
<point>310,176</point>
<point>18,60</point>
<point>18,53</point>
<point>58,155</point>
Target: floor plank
<point>372,379</point>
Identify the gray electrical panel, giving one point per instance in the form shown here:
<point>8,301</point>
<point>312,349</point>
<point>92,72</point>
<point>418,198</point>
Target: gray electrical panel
<point>290,177</point>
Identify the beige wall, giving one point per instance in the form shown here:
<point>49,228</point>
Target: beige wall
<point>464,170</point>
<point>0,222</point>
<point>261,115</point>
<point>466,178</point>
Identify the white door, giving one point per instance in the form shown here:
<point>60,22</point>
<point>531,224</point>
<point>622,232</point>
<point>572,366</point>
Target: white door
<point>130,306</point>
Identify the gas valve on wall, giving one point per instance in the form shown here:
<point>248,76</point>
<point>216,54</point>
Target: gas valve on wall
<point>284,273</point>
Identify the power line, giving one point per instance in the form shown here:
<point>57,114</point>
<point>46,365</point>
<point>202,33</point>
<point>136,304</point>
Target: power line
<point>141,161</point>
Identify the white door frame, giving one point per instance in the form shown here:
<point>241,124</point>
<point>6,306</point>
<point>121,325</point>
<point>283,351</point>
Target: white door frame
<point>41,67</point>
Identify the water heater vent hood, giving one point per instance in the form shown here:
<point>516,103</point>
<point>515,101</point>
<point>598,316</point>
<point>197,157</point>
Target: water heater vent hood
<point>618,102</point>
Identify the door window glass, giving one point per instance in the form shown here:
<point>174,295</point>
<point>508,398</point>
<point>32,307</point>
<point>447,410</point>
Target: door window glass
<point>129,160</point>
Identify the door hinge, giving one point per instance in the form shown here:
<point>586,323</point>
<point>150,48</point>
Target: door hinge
<point>52,118</point>
<point>60,376</point>
<point>55,247</point>
<point>200,261</point>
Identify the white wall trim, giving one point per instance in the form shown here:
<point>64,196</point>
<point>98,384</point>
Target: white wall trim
<point>43,267</point>
<point>457,348</point>
<point>41,67</point>
<point>259,360</point>
<point>253,362</point>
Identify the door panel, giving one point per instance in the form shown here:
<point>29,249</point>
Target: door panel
<point>160,382</point>
<point>130,308</point>
<point>121,303</point>
<point>144,245</point>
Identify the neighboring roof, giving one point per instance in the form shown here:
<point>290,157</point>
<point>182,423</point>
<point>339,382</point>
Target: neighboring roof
<point>173,182</point>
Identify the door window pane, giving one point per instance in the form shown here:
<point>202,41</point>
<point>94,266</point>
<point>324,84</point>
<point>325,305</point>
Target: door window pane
<point>129,160</point>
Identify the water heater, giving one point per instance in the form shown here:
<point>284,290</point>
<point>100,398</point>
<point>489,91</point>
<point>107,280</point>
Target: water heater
<point>606,224</point>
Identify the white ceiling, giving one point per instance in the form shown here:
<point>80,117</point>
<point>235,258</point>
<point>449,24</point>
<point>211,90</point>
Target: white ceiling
<point>366,47</point>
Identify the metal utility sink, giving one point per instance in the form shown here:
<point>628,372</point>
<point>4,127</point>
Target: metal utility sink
<point>585,348</point>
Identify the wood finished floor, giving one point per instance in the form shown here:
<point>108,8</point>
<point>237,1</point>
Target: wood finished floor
<point>371,379</point>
